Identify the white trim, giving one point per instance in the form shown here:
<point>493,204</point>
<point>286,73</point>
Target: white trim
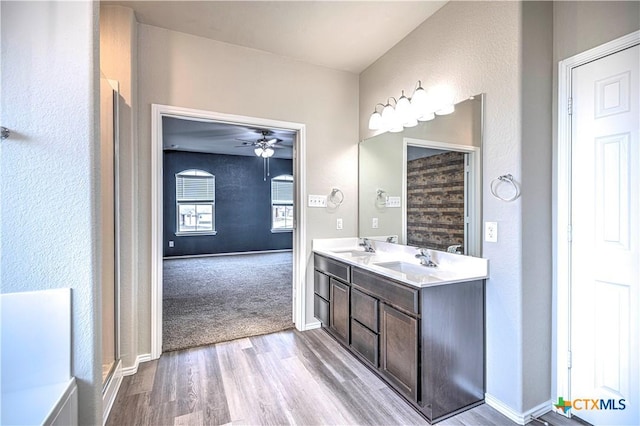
<point>311,326</point>
<point>513,415</point>
<point>299,237</point>
<point>129,371</point>
<point>111,391</point>
<point>562,259</point>
<point>473,239</point>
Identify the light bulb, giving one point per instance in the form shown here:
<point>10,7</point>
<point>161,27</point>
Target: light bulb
<point>375,121</point>
<point>389,119</point>
<point>404,110</point>
<point>268,152</point>
<point>443,97</point>
<point>258,151</point>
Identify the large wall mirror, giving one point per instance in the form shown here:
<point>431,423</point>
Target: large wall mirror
<point>423,186</point>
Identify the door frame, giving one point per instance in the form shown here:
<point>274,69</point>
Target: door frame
<point>299,232</point>
<point>562,231</point>
<point>472,189</point>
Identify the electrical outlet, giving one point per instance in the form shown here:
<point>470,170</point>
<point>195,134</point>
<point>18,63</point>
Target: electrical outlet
<point>170,243</point>
<point>491,232</point>
<point>339,223</point>
<point>317,201</point>
<point>374,223</point>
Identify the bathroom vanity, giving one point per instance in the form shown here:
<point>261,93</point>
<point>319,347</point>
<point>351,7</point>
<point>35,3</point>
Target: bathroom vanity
<point>419,328</point>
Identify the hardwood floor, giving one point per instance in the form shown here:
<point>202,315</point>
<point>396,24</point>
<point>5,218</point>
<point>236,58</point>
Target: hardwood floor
<point>277,379</point>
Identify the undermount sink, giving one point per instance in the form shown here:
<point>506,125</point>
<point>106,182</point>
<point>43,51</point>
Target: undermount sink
<point>411,270</point>
<point>354,252</point>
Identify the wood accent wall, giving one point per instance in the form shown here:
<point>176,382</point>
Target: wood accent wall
<point>435,201</point>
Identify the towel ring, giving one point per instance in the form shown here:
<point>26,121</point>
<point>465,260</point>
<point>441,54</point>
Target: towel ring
<point>336,197</point>
<point>381,197</point>
<point>504,178</point>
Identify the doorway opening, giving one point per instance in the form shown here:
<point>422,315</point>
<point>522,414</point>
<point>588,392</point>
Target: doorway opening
<point>227,230</point>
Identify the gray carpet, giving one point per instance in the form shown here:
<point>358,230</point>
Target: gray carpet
<point>214,299</point>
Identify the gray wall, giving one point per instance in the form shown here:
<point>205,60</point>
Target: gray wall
<point>508,51</point>
<point>49,170</point>
<point>118,61</point>
<point>476,48</point>
<point>188,71</point>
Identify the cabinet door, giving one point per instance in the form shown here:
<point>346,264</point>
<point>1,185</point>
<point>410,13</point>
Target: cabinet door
<point>321,309</point>
<point>399,350</point>
<point>339,318</point>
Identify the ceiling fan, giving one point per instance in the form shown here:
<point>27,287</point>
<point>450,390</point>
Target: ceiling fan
<point>264,148</point>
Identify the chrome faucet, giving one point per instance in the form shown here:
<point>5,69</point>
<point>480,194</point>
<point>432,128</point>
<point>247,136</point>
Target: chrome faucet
<point>457,249</point>
<point>425,258</point>
<point>367,245</point>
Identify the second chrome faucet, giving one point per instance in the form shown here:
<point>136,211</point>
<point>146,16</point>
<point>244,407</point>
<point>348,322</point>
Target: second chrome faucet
<point>425,258</point>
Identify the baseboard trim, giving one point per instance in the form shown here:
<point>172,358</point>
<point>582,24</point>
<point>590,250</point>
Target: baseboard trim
<point>311,326</point>
<point>128,371</point>
<point>111,392</point>
<point>519,418</point>
<point>189,256</point>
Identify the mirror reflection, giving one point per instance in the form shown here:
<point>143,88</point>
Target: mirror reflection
<point>422,186</point>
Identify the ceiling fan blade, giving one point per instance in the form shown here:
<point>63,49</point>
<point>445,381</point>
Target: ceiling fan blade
<point>271,142</point>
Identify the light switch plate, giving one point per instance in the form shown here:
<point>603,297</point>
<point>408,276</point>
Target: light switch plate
<point>393,202</point>
<point>491,232</point>
<point>339,223</point>
<point>317,201</point>
<point>374,223</point>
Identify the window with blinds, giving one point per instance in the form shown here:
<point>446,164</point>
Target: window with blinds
<point>282,203</point>
<point>195,202</point>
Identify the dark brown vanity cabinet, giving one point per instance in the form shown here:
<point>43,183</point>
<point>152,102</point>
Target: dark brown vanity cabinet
<point>331,298</point>
<point>339,308</point>
<point>399,350</point>
<point>427,343</point>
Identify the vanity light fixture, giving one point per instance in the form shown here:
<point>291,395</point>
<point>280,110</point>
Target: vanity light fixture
<point>422,106</point>
<point>391,121</point>
<point>375,121</point>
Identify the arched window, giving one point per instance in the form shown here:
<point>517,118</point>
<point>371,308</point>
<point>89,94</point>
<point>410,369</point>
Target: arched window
<point>282,203</point>
<point>195,202</point>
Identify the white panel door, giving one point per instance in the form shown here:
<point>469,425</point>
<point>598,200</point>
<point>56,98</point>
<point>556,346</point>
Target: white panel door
<point>605,253</point>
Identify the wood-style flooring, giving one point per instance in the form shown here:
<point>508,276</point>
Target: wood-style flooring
<point>277,379</point>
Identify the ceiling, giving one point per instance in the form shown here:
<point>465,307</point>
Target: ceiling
<point>221,138</point>
<point>343,35</point>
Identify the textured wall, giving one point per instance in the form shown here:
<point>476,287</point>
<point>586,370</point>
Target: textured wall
<point>475,47</point>
<point>242,208</point>
<point>435,201</point>
<point>118,61</point>
<point>49,170</point>
<point>187,71</point>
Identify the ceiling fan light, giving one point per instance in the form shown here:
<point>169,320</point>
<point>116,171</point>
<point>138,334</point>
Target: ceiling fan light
<point>258,151</point>
<point>268,152</point>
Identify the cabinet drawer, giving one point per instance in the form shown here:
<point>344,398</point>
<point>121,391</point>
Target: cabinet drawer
<point>321,285</point>
<point>364,342</point>
<point>364,308</point>
<point>396,294</point>
<point>321,309</point>
<point>332,267</point>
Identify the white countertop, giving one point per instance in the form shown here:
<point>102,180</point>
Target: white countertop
<point>452,268</point>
